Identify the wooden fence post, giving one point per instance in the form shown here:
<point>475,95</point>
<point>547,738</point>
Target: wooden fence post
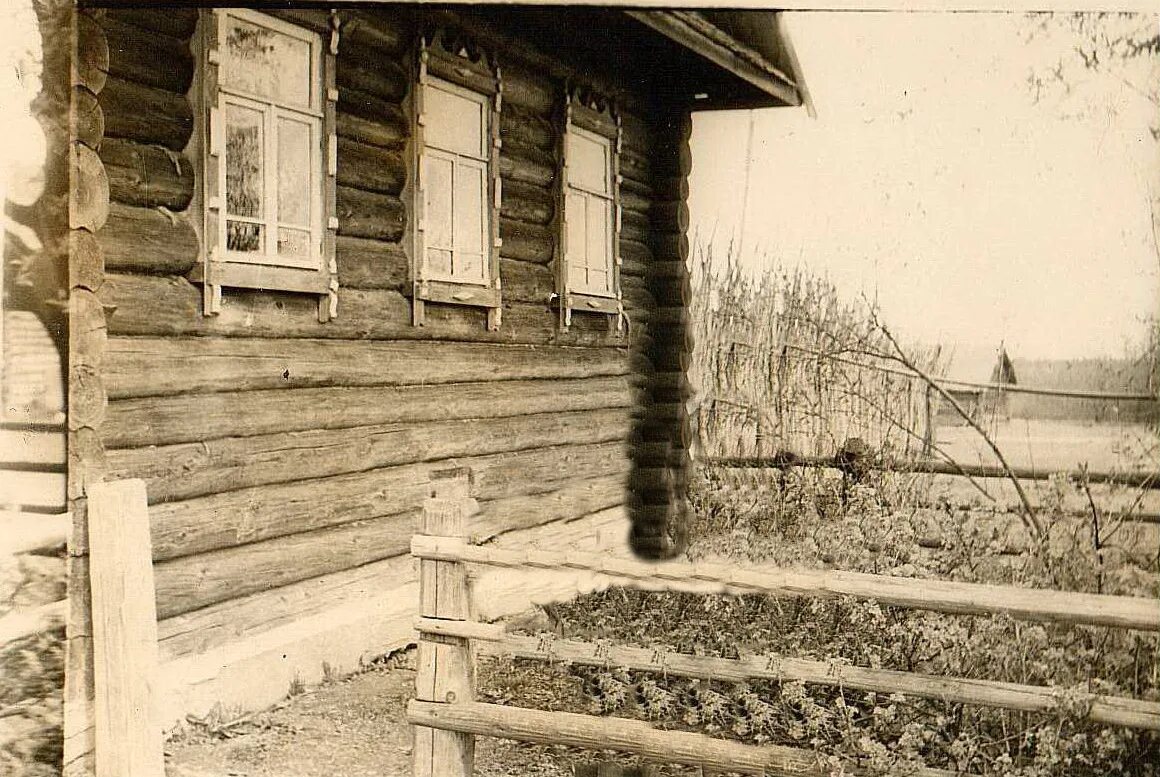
<point>445,672</point>
<point>928,432</point>
<point>128,730</point>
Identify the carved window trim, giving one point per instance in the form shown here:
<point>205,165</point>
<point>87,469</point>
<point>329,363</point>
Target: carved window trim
<point>586,113</point>
<point>221,269</point>
<point>448,58</point>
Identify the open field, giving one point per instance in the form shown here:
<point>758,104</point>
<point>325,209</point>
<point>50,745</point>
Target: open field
<point>1053,446</point>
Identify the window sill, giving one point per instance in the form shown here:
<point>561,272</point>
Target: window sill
<point>244,275</point>
<point>451,293</point>
<point>591,303</point>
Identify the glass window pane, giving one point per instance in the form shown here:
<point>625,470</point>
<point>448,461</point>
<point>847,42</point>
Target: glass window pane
<point>470,196</point>
<point>453,122</point>
<point>294,243</point>
<point>439,262</point>
<point>588,165</point>
<point>244,162</point>
<point>244,236</point>
<point>263,62</point>
<point>469,267</point>
<point>599,250</point>
<point>438,203</point>
<point>577,240</point>
<point>294,172</point>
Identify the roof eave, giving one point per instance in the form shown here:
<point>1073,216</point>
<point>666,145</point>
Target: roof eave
<point>701,37</point>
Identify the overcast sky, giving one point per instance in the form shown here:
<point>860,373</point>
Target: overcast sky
<point>931,178</point>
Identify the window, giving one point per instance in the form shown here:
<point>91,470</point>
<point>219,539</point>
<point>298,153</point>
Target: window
<point>268,186</point>
<point>457,189</point>
<point>587,274</point>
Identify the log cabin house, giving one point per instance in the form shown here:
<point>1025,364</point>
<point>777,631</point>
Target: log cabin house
<point>318,253</point>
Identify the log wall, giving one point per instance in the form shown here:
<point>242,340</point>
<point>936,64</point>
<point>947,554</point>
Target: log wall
<point>285,458</point>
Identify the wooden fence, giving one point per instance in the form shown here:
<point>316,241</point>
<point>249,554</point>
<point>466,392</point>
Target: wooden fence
<point>447,717</point>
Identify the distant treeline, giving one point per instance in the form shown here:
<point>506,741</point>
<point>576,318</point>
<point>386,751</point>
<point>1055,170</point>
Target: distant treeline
<point>1128,376</point>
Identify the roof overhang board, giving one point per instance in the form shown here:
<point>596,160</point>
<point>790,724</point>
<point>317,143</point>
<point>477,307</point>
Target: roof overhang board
<point>700,36</point>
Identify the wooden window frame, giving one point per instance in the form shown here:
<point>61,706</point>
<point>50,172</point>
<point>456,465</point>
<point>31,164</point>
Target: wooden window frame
<point>444,62</point>
<point>220,268</point>
<point>585,115</point>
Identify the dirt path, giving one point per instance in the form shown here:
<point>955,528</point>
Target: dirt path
<point>350,728</point>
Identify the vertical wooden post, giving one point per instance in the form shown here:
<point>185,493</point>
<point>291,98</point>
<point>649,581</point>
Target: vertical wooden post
<point>928,432</point>
<point>128,731</point>
<point>445,671</point>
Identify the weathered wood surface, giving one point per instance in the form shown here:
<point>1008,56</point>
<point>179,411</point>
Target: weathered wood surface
<point>370,214</point>
<point>1109,710</point>
<point>244,618</point>
<point>88,119</point>
<point>444,668</point>
<point>90,66</point>
<point>145,114</point>
<point>186,470</point>
<point>148,240</point>
<point>526,242</point>
<point>192,417</point>
<point>1049,606</point>
<point>260,513</point>
<point>522,128</point>
<point>147,176</point>
<point>147,56</point>
<point>532,91</point>
<point>526,282</point>
<point>385,34</point>
<point>171,307</point>
<point>371,264</point>
<point>370,168</point>
<point>526,165</point>
<point>371,119</point>
<point>175,22</point>
<point>365,70</point>
<point>88,205</point>
<point>128,733</point>
<point>189,583</point>
<point>151,366</point>
<point>530,204</point>
<point>592,732</point>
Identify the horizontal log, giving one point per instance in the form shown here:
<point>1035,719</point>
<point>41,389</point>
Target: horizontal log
<point>371,215</point>
<point>88,117</point>
<point>152,366</point>
<point>530,204</point>
<point>635,227</point>
<point>148,57</point>
<point>1108,710</point>
<point>370,168</point>
<point>631,201</point>
<point>192,417</point>
<point>187,584</point>
<point>636,167</point>
<point>366,71</point>
<point>673,187</point>
<point>371,264</point>
<point>150,305</point>
<point>635,257</point>
<point>91,64</point>
<point>254,514</point>
<point>173,21</point>
<point>1030,604</point>
<point>243,618</point>
<point>526,164</point>
<point>670,246</point>
<point>147,176</point>
<point>386,131</point>
<point>316,19</point>
<point>386,33</point>
<point>592,732</point>
<point>526,282</point>
<point>574,500</point>
<point>521,127</point>
<point>147,240</point>
<point>526,242</point>
<point>187,470</point>
<point>231,519</point>
<point>527,89</point>
<point>372,108</point>
<point>145,114</point>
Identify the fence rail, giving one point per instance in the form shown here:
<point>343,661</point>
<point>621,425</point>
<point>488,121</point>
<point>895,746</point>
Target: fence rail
<point>1133,479</point>
<point>447,717</point>
<point>937,595</point>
